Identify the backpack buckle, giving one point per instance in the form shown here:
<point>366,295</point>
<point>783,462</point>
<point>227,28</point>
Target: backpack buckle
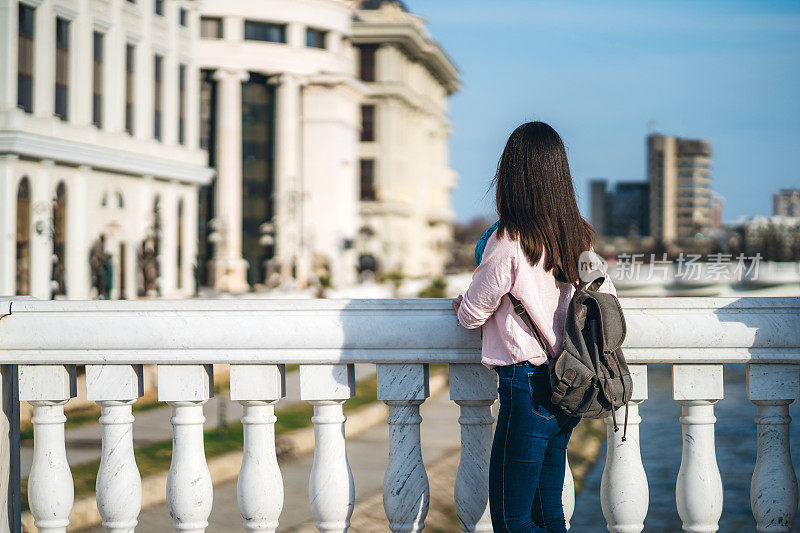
<point>563,384</point>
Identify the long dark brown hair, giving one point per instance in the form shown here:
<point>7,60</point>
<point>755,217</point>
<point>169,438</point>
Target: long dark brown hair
<point>536,201</point>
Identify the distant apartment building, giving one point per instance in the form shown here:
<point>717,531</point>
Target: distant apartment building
<point>679,173</point>
<point>404,175</point>
<point>786,203</point>
<point>622,211</point>
<point>598,194</point>
<point>717,206</point>
<point>99,158</point>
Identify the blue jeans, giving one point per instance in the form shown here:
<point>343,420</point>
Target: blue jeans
<point>526,470</point>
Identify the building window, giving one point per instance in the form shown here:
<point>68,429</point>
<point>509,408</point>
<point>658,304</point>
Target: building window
<point>367,262</point>
<point>183,17</point>
<point>123,271</point>
<point>23,237</point>
<point>315,38</point>
<point>59,215</point>
<point>62,67</point>
<point>97,80</point>
<point>158,71</point>
<point>179,254</point>
<point>130,81</point>
<point>367,123</point>
<point>205,203</point>
<point>210,28</point>
<point>368,180</point>
<point>264,31</point>
<point>182,104</point>
<point>208,113</point>
<point>366,63</point>
<point>159,7</point>
<point>258,174</point>
<point>25,59</point>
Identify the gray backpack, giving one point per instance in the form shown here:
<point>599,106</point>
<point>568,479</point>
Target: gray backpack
<point>590,377</point>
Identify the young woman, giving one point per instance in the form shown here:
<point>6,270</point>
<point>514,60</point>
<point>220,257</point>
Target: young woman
<point>532,254</point>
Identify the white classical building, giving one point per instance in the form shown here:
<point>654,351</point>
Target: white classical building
<point>99,157</point>
<point>406,180</point>
<point>280,114</point>
<point>325,120</point>
<point>342,166</point>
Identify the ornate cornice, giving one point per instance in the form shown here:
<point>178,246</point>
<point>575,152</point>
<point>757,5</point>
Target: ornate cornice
<point>75,153</point>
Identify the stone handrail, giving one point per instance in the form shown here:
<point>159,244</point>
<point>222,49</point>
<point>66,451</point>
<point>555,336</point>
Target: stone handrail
<point>42,341</point>
<point>660,330</point>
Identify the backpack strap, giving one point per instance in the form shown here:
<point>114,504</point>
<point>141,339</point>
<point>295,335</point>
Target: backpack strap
<point>593,285</point>
<point>520,310</point>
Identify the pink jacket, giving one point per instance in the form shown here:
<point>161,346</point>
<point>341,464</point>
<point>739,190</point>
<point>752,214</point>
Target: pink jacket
<point>506,340</point>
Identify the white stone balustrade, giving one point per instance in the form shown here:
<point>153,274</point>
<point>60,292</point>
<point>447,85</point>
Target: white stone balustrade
<point>259,489</point>
<point>698,490</point>
<point>51,492</point>
<point>119,486</point>
<point>189,491</point>
<point>624,493</point>
<point>331,489</point>
<point>474,388</point>
<point>406,493</point>
<point>568,494</point>
<point>773,490</point>
<point>42,341</point>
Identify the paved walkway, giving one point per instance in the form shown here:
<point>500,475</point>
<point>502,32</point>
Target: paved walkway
<point>367,454</point>
<point>83,442</point>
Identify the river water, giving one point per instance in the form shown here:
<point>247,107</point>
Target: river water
<point>660,437</point>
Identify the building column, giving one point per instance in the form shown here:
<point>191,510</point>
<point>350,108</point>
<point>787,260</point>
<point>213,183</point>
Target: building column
<point>8,226</point>
<point>171,84</point>
<point>192,139</point>
<point>81,72</point>
<point>288,192</point>
<point>41,237</point>
<point>8,58</point>
<point>230,268</point>
<point>114,43</point>
<point>189,251</point>
<point>77,249</point>
<point>169,242</point>
<point>295,34</point>
<point>44,60</point>
<point>144,81</point>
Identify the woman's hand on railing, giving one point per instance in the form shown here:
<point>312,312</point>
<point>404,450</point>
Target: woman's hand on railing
<point>457,302</point>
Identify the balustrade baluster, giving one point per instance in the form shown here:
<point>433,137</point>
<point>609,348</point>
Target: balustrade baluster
<point>10,493</point>
<point>568,494</point>
<point>406,494</point>
<point>118,488</point>
<point>189,490</point>
<point>624,493</point>
<point>773,489</point>
<point>260,487</point>
<point>50,488</point>
<point>331,490</point>
<point>698,490</point>
<point>474,389</point>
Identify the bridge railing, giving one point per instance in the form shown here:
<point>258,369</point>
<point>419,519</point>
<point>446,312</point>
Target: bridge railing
<point>41,342</point>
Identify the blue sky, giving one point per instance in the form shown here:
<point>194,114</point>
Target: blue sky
<point>599,72</point>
